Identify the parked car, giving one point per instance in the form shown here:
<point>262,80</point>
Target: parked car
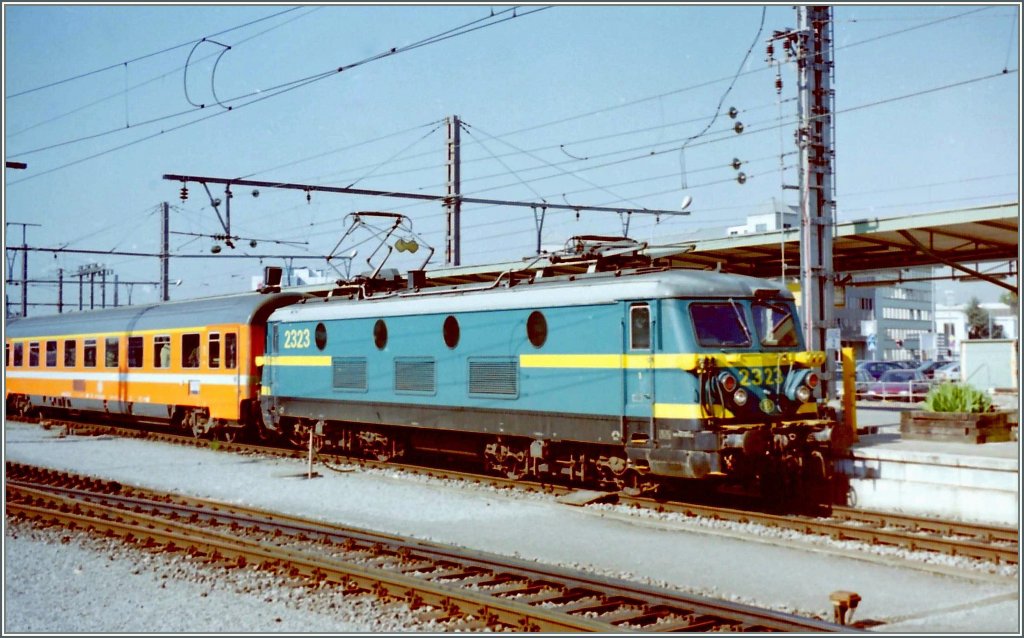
<point>899,385</point>
<point>862,380</point>
<point>907,364</point>
<point>928,368</point>
<point>948,372</point>
<point>876,368</point>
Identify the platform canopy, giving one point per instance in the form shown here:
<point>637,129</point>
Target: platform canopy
<point>958,238</point>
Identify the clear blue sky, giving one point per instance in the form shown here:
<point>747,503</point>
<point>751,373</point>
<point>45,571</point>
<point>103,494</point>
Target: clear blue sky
<point>585,104</point>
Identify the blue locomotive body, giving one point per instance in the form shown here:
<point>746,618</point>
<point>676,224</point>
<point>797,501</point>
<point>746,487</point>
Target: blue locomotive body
<point>618,380</point>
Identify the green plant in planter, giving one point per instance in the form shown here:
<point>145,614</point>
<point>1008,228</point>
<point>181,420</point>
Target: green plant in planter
<point>956,397</point>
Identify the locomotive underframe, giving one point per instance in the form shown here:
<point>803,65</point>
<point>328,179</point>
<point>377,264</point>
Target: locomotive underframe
<point>524,442</point>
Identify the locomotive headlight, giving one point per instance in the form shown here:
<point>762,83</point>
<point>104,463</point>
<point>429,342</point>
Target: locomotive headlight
<point>803,393</point>
<point>811,381</point>
<point>728,381</point>
<point>739,397</point>
<point>767,405</point>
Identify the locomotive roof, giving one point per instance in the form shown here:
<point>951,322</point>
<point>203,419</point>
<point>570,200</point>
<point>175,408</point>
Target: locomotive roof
<point>239,308</point>
<point>601,289</point>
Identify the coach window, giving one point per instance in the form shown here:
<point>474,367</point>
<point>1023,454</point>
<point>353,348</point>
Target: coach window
<point>190,351</point>
<point>51,354</point>
<point>230,350</point>
<point>640,327</point>
<point>18,354</point>
<point>112,352</point>
<point>70,352</point>
<point>135,349</point>
<point>162,351</point>
<point>214,343</point>
<point>90,353</point>
<point>7,355</point>
<point>33,354</point>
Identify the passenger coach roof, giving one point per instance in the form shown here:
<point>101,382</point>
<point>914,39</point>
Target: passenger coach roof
<point>240,308</point>
<point>680,284</point>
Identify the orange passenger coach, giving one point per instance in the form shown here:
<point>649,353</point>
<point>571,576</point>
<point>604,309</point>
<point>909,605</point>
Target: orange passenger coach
<point>191,364</point>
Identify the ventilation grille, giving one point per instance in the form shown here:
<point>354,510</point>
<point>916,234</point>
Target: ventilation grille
<point>494,377</point>
<point>349,373</point>
<point>414,375</point>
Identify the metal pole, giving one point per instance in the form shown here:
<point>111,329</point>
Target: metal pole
<point>103,289</point>
<point>164,255</point>
<point>115,291</point>
<point>24,276</point>
<point>60,290</point>
<point>92,291</point>
<point>80,281</point>
<point>24,260</point>
<point>453,198</point>
<point>816,204</point>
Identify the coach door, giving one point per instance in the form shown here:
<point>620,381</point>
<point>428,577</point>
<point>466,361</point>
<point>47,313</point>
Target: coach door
<point>638,372</point>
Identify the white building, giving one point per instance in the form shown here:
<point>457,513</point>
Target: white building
<point>772,215</point>
<point>298,277</point>
<point>951,323</point>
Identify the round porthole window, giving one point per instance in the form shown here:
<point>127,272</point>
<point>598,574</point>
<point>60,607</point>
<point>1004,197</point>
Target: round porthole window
<point>380,334</point>
<point>320,335</point>
<point>537,329</point>
<point>451,331</point>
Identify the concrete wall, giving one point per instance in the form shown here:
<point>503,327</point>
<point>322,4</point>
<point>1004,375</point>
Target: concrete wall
<point>990,364</point>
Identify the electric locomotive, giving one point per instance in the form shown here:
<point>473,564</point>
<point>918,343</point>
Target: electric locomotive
<point>620,379</point>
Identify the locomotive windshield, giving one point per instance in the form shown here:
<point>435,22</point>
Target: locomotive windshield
<point>720,324</point>
<point>775,324</point>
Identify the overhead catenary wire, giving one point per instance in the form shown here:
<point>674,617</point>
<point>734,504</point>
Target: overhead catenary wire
<point>264,94</point>
<point>147,55</point>
<point>142,84</point>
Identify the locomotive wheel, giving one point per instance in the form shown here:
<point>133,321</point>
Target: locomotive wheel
<point>507,459</point>
<point>631,484</point>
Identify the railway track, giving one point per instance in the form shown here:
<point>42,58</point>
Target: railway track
<point>981,542</point>
<point>471,589</point>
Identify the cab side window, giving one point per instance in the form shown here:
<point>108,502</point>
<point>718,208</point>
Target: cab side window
<point>640,327</point>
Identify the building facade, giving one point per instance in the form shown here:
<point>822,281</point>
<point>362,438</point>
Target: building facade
<point>891,320</point>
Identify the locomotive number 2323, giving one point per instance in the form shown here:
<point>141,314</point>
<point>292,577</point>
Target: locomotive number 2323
<point>760,376</point>
<point>296,338</point>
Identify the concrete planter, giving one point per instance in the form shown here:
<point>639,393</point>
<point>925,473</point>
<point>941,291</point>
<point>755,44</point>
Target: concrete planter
<point>983,427</point>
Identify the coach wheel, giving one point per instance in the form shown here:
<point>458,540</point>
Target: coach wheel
<point>198,422</point>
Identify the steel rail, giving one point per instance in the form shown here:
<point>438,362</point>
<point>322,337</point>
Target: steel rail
<point>612,604</point>
<point>871,527</point>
